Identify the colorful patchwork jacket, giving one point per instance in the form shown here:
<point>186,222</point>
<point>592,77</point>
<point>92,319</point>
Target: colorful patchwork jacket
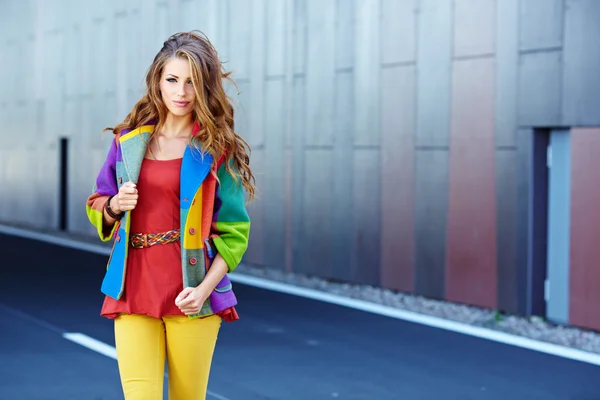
<point>213,216</point>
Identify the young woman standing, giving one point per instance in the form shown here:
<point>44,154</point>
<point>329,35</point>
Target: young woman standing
<point>172,195</point>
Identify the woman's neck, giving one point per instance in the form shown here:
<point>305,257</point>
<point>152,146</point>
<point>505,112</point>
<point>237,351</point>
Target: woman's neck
<point>177,127</point>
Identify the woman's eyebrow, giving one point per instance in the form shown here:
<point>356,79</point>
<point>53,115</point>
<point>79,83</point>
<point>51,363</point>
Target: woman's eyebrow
<point>175,76</point>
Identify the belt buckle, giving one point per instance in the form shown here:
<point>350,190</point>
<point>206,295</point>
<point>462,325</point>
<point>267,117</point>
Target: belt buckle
<point>145,240</point>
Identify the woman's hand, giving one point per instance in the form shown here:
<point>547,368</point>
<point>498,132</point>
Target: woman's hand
<point>190,300</point>
<point>126,199</point>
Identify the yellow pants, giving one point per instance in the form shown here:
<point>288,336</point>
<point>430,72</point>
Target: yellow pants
<point>144,342</point>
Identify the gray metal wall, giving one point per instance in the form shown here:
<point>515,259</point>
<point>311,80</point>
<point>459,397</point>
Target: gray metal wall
<point>385,133</point>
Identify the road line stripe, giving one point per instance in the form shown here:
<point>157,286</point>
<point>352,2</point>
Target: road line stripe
<point>362,305</point>
<point>79,338</point>
<point>110,351</point>
<point>30,318</point>
<point>92,344</point>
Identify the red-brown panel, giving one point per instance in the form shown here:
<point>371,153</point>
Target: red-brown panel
<point>471,234</point>
<point>585,229</point>
<point>397,178</point>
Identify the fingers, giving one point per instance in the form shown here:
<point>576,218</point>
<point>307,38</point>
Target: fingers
<point>183,294</point>
<point>128,196</point>
<point>185,298</point>
<point>188,302</point>
<point>191,311</point>
<point>128,187</point>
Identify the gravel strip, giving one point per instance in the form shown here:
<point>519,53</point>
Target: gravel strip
<point>531,327</point>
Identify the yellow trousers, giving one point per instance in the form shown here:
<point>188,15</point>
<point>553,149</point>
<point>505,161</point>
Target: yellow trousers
<point>143,343</point>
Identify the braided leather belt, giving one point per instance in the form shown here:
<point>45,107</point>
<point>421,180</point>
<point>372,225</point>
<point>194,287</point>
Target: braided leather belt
<point>142,240</point>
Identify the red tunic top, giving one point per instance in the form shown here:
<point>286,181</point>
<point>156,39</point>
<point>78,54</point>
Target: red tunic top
<point>154,278</point>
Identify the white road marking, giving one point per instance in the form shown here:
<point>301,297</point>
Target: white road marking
<point>111,352</point>
<point>92,344</point>
<point>80,339</point>
<point>435,322</point>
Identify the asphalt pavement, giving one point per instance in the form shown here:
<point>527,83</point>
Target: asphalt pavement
<point>284,347</point>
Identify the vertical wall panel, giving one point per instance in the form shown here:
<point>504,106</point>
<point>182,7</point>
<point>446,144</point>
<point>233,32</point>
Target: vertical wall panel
<point>585,229</point>
<point>366,215</point>
<point>343,151</point>
<point>300,36</point>
<point>298,132</point>
<point>276,39</point>
<point>507,61</point>
<point>397,178</point>
<point>471,251</point>
<point>398,38</point>
<point>344,36</point>
<point>367,73</point>
<point>524,189</point>
<point>240,38</point>
<point>581,63</point>
<point>343,212</point>
<point>256,210</point>
<point>539,101</point>
<point>541,24</point>
<point>320,71</point>
<point>433,124</point>
<point>317,229</point>
<point>506,174</point>
<point>273,198</point>
<point>273,191</point>
<point>431,208</point>
<point>434,72</point>
<point>507,58</point>
<point>472,16</point>
<point>191,15</point>
<point>256,135</point>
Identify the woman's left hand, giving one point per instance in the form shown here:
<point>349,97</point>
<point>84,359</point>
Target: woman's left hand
<point>190,300</point>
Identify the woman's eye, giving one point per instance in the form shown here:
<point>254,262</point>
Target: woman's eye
<point>190,83</point>
<point>171,80</point>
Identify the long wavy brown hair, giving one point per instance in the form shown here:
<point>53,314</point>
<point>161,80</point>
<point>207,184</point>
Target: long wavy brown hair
<point>213,109</point>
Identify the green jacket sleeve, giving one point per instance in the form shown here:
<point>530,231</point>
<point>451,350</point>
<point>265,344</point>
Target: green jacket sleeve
<point>231,222</point>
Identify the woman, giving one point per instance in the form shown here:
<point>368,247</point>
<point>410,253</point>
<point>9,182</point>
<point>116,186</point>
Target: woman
<point>172,195</point>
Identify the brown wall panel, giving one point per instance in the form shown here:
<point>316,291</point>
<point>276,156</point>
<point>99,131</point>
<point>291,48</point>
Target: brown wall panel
<point>397,178</point>
<point>585,229</point>
<point>471,237</point>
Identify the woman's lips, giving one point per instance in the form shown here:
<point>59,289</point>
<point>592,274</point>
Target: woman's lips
<point>181,103</point>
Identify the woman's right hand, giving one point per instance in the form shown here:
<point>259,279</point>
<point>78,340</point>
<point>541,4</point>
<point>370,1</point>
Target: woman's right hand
<point>126,199</point>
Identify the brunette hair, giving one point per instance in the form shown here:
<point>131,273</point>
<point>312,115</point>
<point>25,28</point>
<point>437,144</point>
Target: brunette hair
<point>213,110</point>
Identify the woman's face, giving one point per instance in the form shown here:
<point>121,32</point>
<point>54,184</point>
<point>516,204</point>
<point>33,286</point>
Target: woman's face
<point>176,87</point>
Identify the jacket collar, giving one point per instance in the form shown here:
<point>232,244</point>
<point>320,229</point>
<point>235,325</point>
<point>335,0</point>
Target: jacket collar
<point>195,166</point>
